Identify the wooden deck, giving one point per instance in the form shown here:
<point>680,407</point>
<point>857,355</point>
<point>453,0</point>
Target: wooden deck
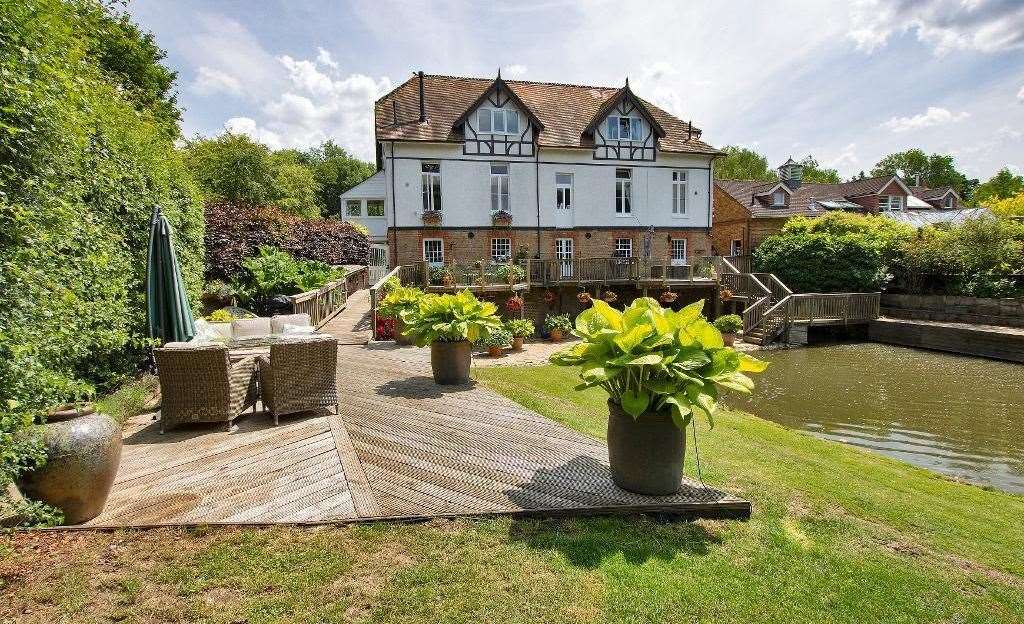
<point>401,447</point>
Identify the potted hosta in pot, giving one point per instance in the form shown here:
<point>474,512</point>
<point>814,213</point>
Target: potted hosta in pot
<point>558,325</point>
<point>520,329</point>
<point>660,369</point>
<point>495,341</point>
<point>450,324</point>
<point>510,273</point>
<point>398,300</point>
<point>729,325</point>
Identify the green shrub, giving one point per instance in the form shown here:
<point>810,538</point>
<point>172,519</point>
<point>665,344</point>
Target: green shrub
<point>220,316</point>
<point>450,318</point>
<point>520,328</point>
<point>650,358</point>
<point>729,323</point>
<point>399,300</point>
<point>496,338</point>
<point>275,272</point>
<point>558,321</point>
<point>86,152</point>
<point>510,273</point>
<point>440,274</point>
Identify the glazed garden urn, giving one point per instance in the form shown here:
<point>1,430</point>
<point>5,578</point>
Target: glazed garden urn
<point>450,362</point>
<point>645,453</point>
<point>83,452</point>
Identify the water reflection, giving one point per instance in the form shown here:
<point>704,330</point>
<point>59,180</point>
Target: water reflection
<point>957,415</point>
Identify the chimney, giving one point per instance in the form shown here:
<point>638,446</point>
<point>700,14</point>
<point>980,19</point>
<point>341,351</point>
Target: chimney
<point>423,101</point>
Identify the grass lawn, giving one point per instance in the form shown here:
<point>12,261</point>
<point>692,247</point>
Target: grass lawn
<point>837,535</point>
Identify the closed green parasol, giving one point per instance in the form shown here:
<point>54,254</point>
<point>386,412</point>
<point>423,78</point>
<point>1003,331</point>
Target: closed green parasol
<point>167,307</point>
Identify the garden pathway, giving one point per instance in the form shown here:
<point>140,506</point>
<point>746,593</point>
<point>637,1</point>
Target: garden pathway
<point>401,447</point>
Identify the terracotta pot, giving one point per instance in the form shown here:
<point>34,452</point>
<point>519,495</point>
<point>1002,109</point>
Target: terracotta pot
<point>555,335</point>
<point>729,339</point>
<point>494,351</point>
<point>517,343</point>
<point>450,362</point>
<point>645,454</point>
<point>83,453</point>
<point>400,338</point>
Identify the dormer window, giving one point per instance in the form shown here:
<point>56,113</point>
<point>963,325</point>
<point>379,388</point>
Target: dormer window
<point>625,128</point>
<point>498,121</point>
<point>949,201</point>
<point>779,198</point>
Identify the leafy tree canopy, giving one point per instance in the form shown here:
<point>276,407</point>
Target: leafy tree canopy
<point>1002,185</point>
<point>814,172</point>
<point>935,170</point>
<point>741,163</point>
<point>336,171</point>
<point>1009,207</point>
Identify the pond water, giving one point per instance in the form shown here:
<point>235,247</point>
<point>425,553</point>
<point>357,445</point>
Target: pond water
<point>957,415</point>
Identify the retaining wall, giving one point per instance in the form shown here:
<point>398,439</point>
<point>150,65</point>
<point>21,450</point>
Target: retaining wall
<point>1008,312</point>
<point>992,342</point>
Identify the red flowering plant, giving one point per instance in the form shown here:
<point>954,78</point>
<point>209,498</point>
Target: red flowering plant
<point>668,296</point>
<point>514,304</point>
<point>549,297</point>
<point>583,297</point>
<point>385,328</point>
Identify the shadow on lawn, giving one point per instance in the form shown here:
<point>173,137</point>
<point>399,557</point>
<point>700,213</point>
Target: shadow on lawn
<point>584,483</point>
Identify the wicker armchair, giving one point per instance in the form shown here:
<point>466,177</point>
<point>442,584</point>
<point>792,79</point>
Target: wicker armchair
<point>198,384</point>
<point>299,375</point>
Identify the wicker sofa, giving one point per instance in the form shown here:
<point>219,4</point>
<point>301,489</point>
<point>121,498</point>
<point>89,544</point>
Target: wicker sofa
<point>299,375</point>
<point>261,327</point>
<point>199,384</point>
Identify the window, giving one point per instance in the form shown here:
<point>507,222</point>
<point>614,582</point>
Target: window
<point>375,207</point>
<point>736,247</point>
<point>623,191</point>
<point>431,181</point>
<point>498,121</point>
<point>887,203</point>
<point>499,187</point>
<point>623,248</point>
<point>949,201</point>
<point>433,251</point>
<point>563,191</point>
<point>625,129</point>
<point>501,249</point>
<point>353,208</point>
<point>779,198</point>
<point>678,251</point>
<point>679,192</point>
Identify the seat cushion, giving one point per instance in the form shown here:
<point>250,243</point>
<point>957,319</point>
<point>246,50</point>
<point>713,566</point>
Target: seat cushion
<point>278,323</point>
<point>250,327</point>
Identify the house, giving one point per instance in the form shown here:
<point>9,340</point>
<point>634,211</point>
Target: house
<point>491,169</point>
<point>748,211</point>
<point>364,204</point>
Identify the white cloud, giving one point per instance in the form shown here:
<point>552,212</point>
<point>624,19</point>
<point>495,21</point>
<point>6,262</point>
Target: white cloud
<point>514,71</point>
<point>847,158</point>
<point>324,57</point>
<point>248,126</point>
<point>1020,95</point>
<point>934,116</point>
<point>987,26</point>
<point>210,81</point>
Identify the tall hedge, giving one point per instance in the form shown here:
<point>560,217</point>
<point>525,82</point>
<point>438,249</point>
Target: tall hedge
<point>87,125</point>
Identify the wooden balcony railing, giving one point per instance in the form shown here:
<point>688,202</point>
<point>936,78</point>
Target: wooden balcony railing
<point>323,303</point>
<point>375,296</point>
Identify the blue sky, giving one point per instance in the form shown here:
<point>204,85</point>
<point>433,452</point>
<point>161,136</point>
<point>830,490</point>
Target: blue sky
<point>845,81</point>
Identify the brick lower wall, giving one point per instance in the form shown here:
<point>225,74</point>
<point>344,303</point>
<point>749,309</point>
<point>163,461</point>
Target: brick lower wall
<point>1008,312</point>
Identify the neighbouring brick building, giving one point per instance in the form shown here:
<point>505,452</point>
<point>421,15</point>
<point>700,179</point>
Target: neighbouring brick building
<point>748,211</point>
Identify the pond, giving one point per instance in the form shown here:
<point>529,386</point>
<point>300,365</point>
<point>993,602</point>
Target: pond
<point>958,415</point>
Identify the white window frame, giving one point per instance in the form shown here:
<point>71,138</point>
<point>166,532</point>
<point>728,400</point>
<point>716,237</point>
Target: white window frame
<point>736,247</point>
<point>614,128</point>
<point>439,251</point>
<point>564,254</point>
<point>673,244</point>
<point>563,192</point>
<point>680,185</point>
<point>890,203</point>
<point>779,198</point>
<point>493,115</point>
<point>500,182</point>
<point>367,207</point>
<point>358,203</point>
<point>623,251</point>
<point>497,257</point>
<point>624,193</point>
<point>948,202</point>
<point>431,200</point>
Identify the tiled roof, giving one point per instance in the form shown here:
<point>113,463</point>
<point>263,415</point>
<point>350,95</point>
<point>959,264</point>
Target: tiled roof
<point>564,109</point>
<point>802,200</point>
<point>928,194</point>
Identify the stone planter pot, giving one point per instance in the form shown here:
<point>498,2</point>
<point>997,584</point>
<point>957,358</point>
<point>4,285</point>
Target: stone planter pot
<point>83,453</point>
<point>494,351</point>
<point>729,339</point>
<point>450,362</point>
<point>555,335</point>
<point>517,343</point>
<point>645,454</point>
<point>400,338</point>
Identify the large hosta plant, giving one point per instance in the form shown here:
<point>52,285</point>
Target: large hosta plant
<point>649,358</point>
<point>449,323</point>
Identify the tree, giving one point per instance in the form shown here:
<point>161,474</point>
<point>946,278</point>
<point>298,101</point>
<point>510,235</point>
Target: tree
<point>741,163</point>
<point>935,170</point>
<point>1009,207</point>
<point>813,172</point>
<point>336,171</point>
<point>296,189</point>
<point>1002,185</point>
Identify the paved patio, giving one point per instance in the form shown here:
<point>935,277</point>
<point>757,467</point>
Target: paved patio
<point>402,447</point>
